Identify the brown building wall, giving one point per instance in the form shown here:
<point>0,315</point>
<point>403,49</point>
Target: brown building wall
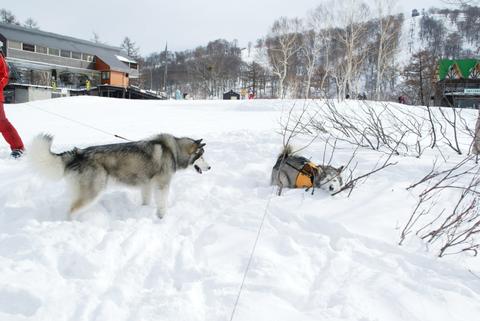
<point>118,79</point>
<point>100,65</point>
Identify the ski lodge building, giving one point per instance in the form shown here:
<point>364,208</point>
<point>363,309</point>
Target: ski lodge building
<point>47,65</point>
<point>458,83</point>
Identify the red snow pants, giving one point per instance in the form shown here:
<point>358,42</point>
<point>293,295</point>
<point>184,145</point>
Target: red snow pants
<point>8,131</point>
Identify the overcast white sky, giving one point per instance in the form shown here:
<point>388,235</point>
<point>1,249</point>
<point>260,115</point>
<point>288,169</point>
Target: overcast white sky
<point>185,24</point>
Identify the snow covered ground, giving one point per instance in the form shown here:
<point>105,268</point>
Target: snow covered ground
<point>318,257</point>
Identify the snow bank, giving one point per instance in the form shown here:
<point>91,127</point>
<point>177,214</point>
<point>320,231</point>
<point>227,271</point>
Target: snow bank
<point>318,258</point>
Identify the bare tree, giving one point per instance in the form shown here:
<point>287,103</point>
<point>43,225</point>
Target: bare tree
<point>448,128</point>
<point>352,180</point>
<point>216,67</point>
<point>130,47</point>
<point>282,44</point>
<point>254,77</point>
<point>309,123</point>
<point>8,17</point>
<point>351,16</point>
<point>454,225</point>
<point>30,23</point>
<point>316,44</point>
<point>419,77</point>
<point>476,139</point>
<point>95,37</point>
<point>388,39</point>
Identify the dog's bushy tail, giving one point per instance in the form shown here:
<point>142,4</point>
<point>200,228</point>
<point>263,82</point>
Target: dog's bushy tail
<point>43,160</point>
<point>286,151</point>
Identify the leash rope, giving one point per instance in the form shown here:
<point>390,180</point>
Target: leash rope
<point>250,259</point>
<point>79,122</point>
<point>303,171</point>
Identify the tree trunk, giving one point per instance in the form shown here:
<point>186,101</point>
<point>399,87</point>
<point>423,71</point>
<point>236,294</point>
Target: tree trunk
<point>476,139</point>
<point>309,81</point>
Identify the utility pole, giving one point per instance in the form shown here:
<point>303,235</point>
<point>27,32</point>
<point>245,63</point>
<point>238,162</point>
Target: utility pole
<point>166,67</point>
<point>151,77</point>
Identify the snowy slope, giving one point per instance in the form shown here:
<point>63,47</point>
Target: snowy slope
<point>411,41</point>
<point>318,258</point>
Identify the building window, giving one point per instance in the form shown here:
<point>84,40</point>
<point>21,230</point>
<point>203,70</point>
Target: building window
<point>87,57</point>
<point>133,65</point>
<point>40,77</point>
<point>53,52</point>
<point>40,49</point>
<point>105,75</point>
<point>65,53</point>
<point>28,47</point>
<point>14,45</point>
<point>76,55</point>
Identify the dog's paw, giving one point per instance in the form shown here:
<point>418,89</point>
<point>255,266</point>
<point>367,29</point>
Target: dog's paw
<point>161,212</point>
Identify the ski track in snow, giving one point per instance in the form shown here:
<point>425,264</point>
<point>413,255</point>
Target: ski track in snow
<point>318,258</point>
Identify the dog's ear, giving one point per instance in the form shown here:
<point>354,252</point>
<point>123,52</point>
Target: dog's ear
<point>196,146</point>
<point>199,143</point>
<point>340,169</point>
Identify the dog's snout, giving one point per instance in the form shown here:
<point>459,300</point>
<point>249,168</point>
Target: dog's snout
<point>331,188</point>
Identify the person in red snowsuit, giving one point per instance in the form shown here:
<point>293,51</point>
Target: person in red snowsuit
<point>6,128</point>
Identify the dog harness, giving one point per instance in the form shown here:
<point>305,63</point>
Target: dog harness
<point>306,175</point>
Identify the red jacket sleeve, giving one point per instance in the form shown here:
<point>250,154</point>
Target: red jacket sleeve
<point>3,72</point>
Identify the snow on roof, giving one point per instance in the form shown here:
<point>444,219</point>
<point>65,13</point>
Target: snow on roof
<point>124,59</point>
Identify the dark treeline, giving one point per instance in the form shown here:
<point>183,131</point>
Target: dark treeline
<point>204,72</point>
<point>334,52</point>
<point>340,49</point>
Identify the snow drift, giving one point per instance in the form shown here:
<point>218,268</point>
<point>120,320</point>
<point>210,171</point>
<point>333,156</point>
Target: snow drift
<point>318,257</point>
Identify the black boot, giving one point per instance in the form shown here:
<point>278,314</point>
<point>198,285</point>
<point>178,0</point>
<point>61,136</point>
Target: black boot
<point>16,153</point>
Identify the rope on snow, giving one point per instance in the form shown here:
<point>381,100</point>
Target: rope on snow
<point>79,122</point>
<point>250,259</point>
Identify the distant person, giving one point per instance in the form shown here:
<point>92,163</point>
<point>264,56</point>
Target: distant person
<point>362,96</point>
<point>178,94</point>
<point>6,128</point>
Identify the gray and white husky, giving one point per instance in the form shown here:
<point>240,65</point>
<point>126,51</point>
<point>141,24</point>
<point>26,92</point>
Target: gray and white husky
<point>294,171</point>
<point>148,164</point>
